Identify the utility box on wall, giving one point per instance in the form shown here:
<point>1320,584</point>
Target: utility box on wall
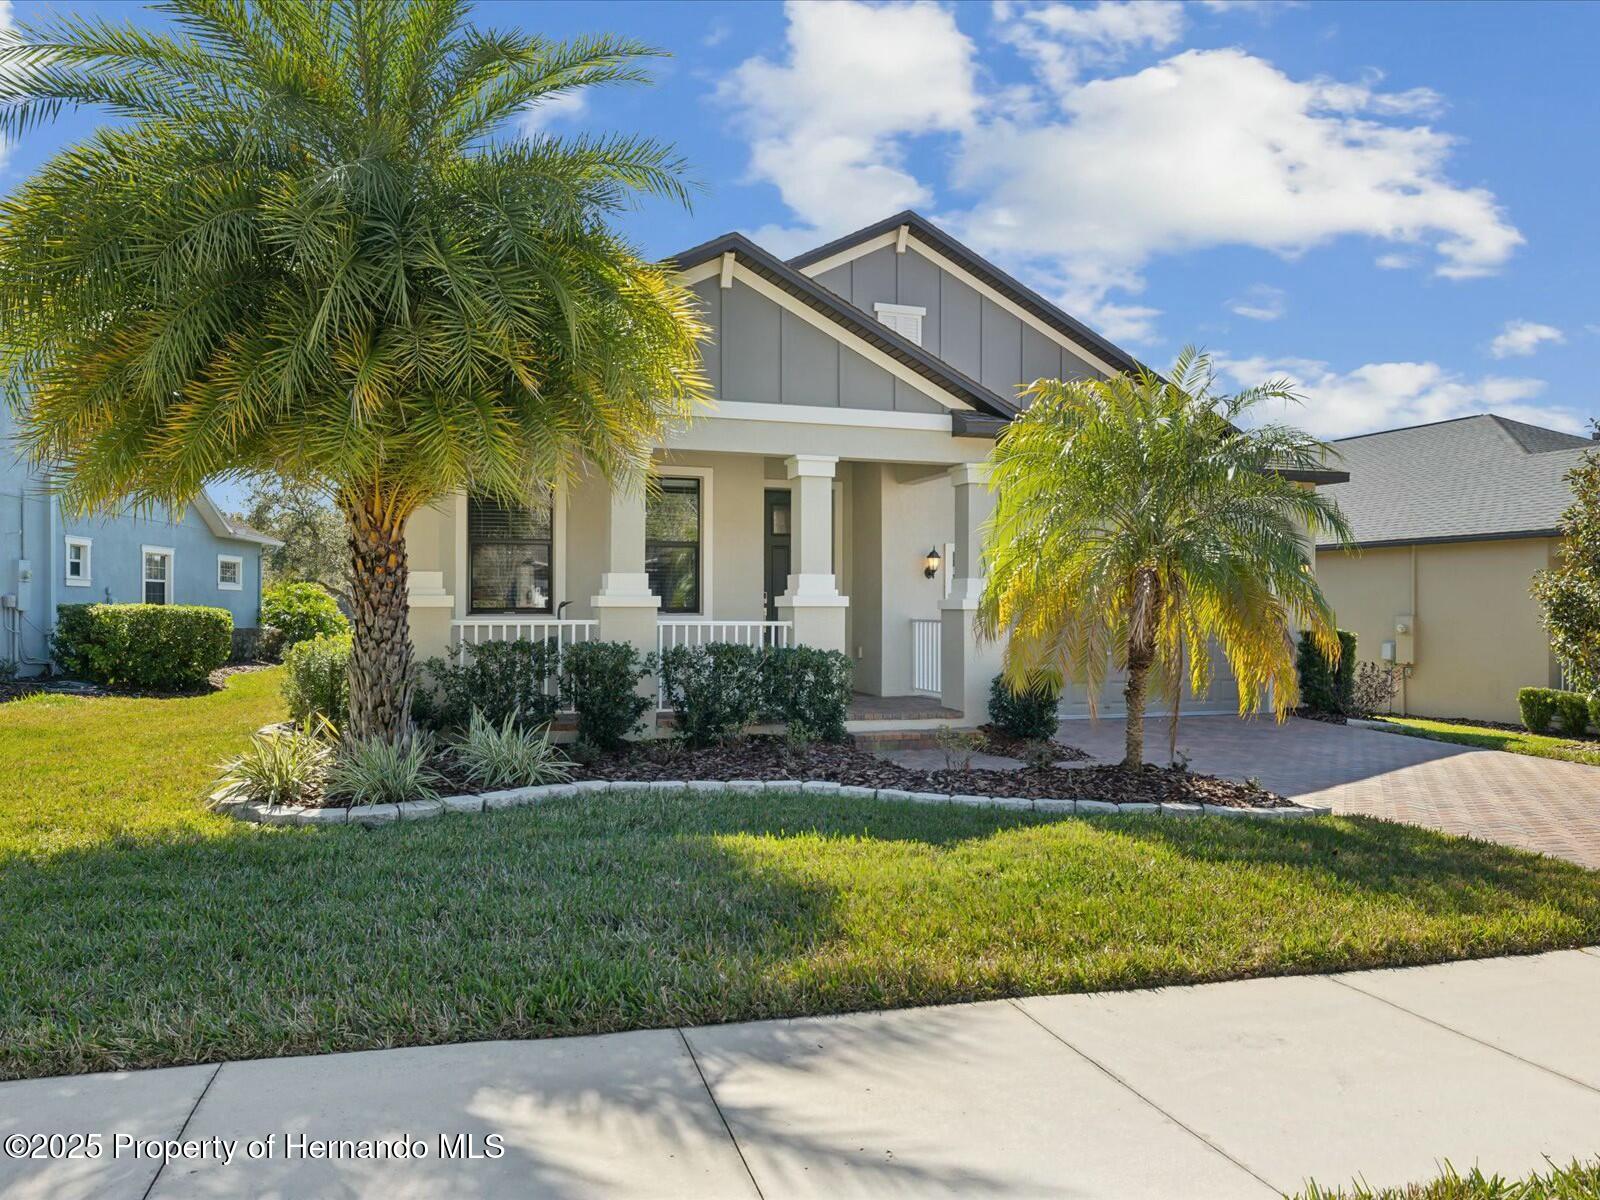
<point>1405,626</point>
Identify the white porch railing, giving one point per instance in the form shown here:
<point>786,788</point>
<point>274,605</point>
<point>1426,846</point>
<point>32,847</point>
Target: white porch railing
<point>925,639</point>
<point>702,632</point>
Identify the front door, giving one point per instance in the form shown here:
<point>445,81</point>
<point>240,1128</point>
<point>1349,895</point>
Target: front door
<point>776,543</point>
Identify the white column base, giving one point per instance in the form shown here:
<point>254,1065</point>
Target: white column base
<point>818,620</point>
<point>966,666</point>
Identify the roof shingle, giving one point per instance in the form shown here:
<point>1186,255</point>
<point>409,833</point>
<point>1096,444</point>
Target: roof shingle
<point>1470,478</point>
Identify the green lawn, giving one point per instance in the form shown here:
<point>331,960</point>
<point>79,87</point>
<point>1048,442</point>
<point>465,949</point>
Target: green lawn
<point>140,930</point>
<point>1487,737</point>
<point>1578,1181</point>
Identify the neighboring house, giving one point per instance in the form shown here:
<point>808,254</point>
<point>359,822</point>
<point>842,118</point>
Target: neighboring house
<point>48,559</point>
<point>833,497</point>
<point>1451,520</point>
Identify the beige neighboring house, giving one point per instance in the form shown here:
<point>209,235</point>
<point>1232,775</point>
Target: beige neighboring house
<point>1451,520</point>
<point>834,496</point>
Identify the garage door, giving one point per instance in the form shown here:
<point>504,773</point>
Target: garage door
<point>1222,698</point>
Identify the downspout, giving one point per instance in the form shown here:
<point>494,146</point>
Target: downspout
<point>1405,672</point>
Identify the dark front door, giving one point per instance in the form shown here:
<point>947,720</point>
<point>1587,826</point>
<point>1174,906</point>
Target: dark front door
<point>776,541</point>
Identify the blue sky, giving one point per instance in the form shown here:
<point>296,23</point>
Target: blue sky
<point>1390,203</point>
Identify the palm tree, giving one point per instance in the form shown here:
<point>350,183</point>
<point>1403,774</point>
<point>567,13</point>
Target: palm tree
<point>1137,521</point>
<point>312,247</point>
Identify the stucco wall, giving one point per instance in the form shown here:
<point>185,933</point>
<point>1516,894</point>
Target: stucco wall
<point>1477,637</point>
<point>966,329</point>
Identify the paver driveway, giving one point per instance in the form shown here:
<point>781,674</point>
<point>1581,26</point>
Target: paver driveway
<point>1535,803</point>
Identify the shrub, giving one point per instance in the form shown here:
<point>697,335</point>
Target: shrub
<point>505,681</point>
<point>1029,714</point>
<point>1572,713</point>
<point>283,766</point>
<point>300,612</point>
<point>1327,687</point>
<point>375,770</point>
<point>1538,705</point>
<point>501,756</point>
<point>717,689</point>
<point>8,669</point>
<point>1376,686</point>
<point>156,647</point>
<point>810,688</point>
<point>316,680</point>
<point>600,682</point>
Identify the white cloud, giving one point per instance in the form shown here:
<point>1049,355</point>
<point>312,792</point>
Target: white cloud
<point>1212,148</point>
<point>1063,40</point>
<point>1077,184</point>
<point>829,123</point>
<point>1521,338</point>
<point>556,106</point>
<point>1394,262</point>
<point>1390,395</point>
<point>1260,302</point>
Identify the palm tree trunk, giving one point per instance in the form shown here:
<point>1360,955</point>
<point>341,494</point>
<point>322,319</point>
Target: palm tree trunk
<point>1133,696</point>
<point>381,673</point>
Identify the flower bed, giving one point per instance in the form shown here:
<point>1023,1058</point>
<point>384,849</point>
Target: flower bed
<point>769,763</point>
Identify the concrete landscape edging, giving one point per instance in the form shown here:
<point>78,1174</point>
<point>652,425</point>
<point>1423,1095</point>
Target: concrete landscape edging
<point>473,805</point>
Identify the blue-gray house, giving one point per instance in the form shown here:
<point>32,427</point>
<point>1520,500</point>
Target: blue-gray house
<point>198,556</point>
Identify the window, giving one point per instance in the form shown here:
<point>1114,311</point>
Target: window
<point>157,575</point>
<point>230,572</point>
<point>509,556</point>
<point>78,561</point>
<point>904,319</point>
<point>672,538</point>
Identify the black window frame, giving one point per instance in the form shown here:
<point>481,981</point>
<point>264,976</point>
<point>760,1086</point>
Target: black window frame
<point>652,546</point>
<point>473,542</point>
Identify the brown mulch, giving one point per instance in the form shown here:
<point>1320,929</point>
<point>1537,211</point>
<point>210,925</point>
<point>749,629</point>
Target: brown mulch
<point>772,758</point>
<point>998,741</point>
<point>16,689</point>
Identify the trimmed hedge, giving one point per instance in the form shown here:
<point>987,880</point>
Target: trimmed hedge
<point>809,690</point>
<point>1029,714</point>
<point>505,681</point>
<point>316,679</point>
<point>600,682</point>
<point>300,612</point>
<point>1542,707</point>
<point>1324,686</point>
<point>717,689</point>
<point>153,647</point>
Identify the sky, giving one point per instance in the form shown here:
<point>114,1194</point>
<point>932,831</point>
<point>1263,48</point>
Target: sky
<point>1391,205</point>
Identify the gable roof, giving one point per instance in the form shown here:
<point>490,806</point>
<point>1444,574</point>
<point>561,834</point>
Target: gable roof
<point>975,264</point>
<point>1468,479</point>
<point>992,410</point>
<point>223,526</point>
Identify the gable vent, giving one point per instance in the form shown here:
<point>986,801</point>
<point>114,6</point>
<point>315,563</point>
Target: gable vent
<point>904,319</point>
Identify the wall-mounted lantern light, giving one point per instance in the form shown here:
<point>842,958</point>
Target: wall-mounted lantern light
<point>930,567</point>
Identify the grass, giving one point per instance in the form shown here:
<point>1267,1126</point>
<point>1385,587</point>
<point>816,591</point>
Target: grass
<point>1489,737</point>
<point>1579,1181</point>
<point>143,931</point>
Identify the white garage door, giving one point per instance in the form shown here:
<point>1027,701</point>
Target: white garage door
<point>1222,698</point>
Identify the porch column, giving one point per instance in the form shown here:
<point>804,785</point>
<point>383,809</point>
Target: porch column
<point>625,609</point>
<point>812,600</point>
<point>967,667</point>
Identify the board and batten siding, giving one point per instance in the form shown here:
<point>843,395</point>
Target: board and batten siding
<point>759,353</point>
<point>966,329</point>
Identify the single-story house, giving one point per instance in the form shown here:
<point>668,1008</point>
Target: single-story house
<point>48,558</point>
<point>1450,522</point>
<point>833,497</point>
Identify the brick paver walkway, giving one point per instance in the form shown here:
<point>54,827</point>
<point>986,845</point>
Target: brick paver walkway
<point>1535,803</point>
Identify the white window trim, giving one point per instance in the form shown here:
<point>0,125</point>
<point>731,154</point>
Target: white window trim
<point>172,571</point>
<point>236,560</point>
<point>86,579</point>
<point>665,470</point>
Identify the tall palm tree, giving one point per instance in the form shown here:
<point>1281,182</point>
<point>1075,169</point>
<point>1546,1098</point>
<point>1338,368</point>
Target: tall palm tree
<point>314,246</point>
<point>1138,522</point>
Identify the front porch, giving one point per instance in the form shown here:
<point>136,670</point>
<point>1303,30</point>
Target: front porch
<point>876,560</point>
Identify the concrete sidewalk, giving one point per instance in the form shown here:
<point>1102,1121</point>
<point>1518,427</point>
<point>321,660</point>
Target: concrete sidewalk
<point>1228,1090</point>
